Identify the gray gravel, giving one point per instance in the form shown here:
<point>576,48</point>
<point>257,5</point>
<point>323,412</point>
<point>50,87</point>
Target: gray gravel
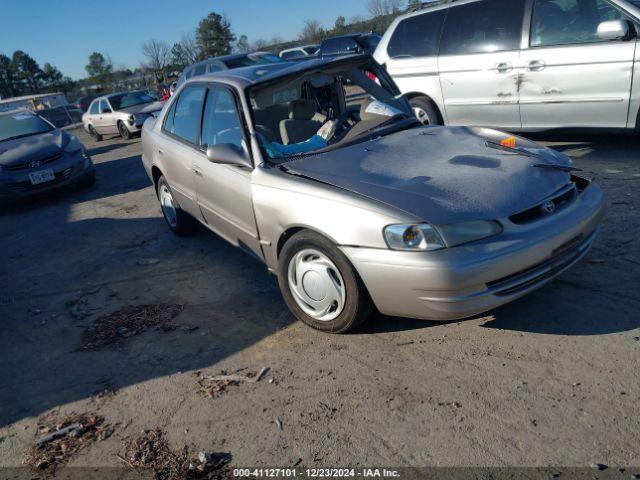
<point>551,379</point>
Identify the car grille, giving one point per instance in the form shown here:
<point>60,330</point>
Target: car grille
<point>28,186</point>
<point>25,165</point>
<point>561,199</point>
<point>561,258</point>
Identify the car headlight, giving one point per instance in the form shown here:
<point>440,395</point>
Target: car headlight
<point>74,145</point>
<point>422,237</point>
<point>465,232</point>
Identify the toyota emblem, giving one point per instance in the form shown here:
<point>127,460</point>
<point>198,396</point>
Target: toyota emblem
<point>35,163</point>
<point>548,207</point>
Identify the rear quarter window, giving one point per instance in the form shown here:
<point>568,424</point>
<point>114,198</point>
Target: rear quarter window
<point>417,36</point>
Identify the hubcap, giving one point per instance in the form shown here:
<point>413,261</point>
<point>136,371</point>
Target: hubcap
<point>422,116</point>
<point>168,206</point>
<point>316,285</point>
<point>123,132</point>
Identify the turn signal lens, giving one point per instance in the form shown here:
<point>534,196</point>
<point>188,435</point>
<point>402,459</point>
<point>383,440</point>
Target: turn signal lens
<point>509,142</point>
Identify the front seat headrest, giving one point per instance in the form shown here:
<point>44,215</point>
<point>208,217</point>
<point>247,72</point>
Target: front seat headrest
<point>302,109</point>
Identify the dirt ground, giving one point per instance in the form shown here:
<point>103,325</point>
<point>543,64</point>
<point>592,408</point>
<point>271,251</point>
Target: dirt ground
<point>551,379</point>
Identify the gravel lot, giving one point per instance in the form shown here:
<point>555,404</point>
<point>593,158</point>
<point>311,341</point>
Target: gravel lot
<point>552,379</point>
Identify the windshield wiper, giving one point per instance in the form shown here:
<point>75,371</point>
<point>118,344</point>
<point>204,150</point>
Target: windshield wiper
<point>554,166</point>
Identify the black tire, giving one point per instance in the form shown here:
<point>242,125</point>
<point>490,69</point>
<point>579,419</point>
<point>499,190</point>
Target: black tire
<point>88,181</point>
<point>426,106</point>
<point>357,305</point>
<point>184,224</point>
<point>124,131</point>
<point>95,135</point>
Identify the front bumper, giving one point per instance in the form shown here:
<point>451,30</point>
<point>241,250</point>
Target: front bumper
<point>69,169</point>
<point>456,283</point>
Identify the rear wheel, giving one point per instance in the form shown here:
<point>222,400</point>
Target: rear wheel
<point>425,111</point>
<point>179,221</point>
<point>124,131</point>
<point>95,135</point>
<point>320,286</point>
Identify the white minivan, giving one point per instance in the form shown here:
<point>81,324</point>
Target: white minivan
<point>520,65</point>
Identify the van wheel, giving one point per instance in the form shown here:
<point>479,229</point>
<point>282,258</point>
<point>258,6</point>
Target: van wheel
<point>320,286</point>
<point>124,131</point>
<point>425,111</point>
<point>95,135</point>
<point>179,221</point>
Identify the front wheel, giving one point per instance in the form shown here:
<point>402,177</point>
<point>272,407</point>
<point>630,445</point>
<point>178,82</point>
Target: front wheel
<point>425,111</point>
<point>320,286</point>
<point>124,131</point>
<point>179,221</point>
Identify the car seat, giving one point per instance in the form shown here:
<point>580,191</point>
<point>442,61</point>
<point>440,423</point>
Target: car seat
<point>300,126</point>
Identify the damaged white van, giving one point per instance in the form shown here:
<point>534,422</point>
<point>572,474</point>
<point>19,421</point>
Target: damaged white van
<point>519,64</point>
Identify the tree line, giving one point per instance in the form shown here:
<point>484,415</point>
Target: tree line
<point>20,74</point>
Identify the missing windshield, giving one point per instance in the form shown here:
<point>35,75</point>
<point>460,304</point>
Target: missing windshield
<point>324,108</point>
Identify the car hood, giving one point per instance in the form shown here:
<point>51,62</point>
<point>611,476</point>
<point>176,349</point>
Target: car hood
<point>144,108</point>
<point>35,147</point>
<point>441,174</point>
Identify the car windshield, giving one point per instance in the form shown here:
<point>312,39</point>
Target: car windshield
<point>253,59</point>
<point>130,99</point>
<point>325,108</point>
<point>22,124</point>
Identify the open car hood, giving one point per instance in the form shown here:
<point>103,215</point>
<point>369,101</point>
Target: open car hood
<point>440,174</point>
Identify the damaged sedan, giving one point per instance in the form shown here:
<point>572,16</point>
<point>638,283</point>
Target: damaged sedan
<point>320,170</point>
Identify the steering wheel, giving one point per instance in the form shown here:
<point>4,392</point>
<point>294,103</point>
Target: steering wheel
<point>344,123</point>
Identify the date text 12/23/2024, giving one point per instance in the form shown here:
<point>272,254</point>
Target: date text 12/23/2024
<point>315,473</point>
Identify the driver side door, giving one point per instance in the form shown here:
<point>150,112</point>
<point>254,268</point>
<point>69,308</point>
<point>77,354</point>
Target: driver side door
<point>224,192</point>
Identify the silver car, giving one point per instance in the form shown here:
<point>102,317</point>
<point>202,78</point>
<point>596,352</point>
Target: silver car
<point>352,203</point>
<point>521,65</point>
<point>119,113</point>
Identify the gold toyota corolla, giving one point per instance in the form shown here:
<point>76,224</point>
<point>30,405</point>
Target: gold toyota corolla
<point>320,170</point>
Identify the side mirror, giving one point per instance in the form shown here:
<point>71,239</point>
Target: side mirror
<point>228,154</point>
<point>614,30</point>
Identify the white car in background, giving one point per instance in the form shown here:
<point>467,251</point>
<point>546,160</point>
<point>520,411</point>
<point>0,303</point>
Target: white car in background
<point>518,64</point>
<point>299,52</point>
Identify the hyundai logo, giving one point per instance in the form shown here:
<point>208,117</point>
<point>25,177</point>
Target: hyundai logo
<point>35,163</point>
<point>548,208</point>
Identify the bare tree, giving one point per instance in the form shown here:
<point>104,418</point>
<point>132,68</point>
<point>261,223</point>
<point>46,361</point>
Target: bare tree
<point>190,47</point>
<point>157,53</point>
<point>379,8</point>
<point>312,32</point>
<point>259,44</point>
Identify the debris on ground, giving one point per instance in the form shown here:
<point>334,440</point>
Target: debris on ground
<point>150,451</point>
<point>57,440</point>
<point>148,261</point>
<point>127,322</point>
<point>212,385</point>
<point>278,423</point>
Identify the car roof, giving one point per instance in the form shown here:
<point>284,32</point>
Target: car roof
<point>247,76</point>
<point>225,58</point>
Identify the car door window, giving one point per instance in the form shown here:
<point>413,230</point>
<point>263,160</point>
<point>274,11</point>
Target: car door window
<point>483,27</point>
<point>221,123</point>
<point>417,36</point>
<point>104,107</point>
<point>93,110</point>
<point>564,22</point>
<point>183,119</point>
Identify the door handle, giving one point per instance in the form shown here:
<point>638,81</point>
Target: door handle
<point>197,172</point>
<point>504,67</point>
<point>536,65</point>
<point>160,151</point>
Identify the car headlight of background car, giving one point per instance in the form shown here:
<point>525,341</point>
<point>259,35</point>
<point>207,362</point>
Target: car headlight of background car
<point>424,237</point>
<point>73,145</point>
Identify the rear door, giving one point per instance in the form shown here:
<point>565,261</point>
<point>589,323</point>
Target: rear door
<point>571,77</point>
<point>413,54</point>
<point>178,145</point>
<point>479,62</point>
<point>105,122</point>
<point>224,191</point>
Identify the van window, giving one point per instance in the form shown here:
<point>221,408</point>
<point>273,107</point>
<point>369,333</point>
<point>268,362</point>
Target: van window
<point>483,27</point>
<point>417,36</point>
<point>184,122</point>
<point>563,22</point>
